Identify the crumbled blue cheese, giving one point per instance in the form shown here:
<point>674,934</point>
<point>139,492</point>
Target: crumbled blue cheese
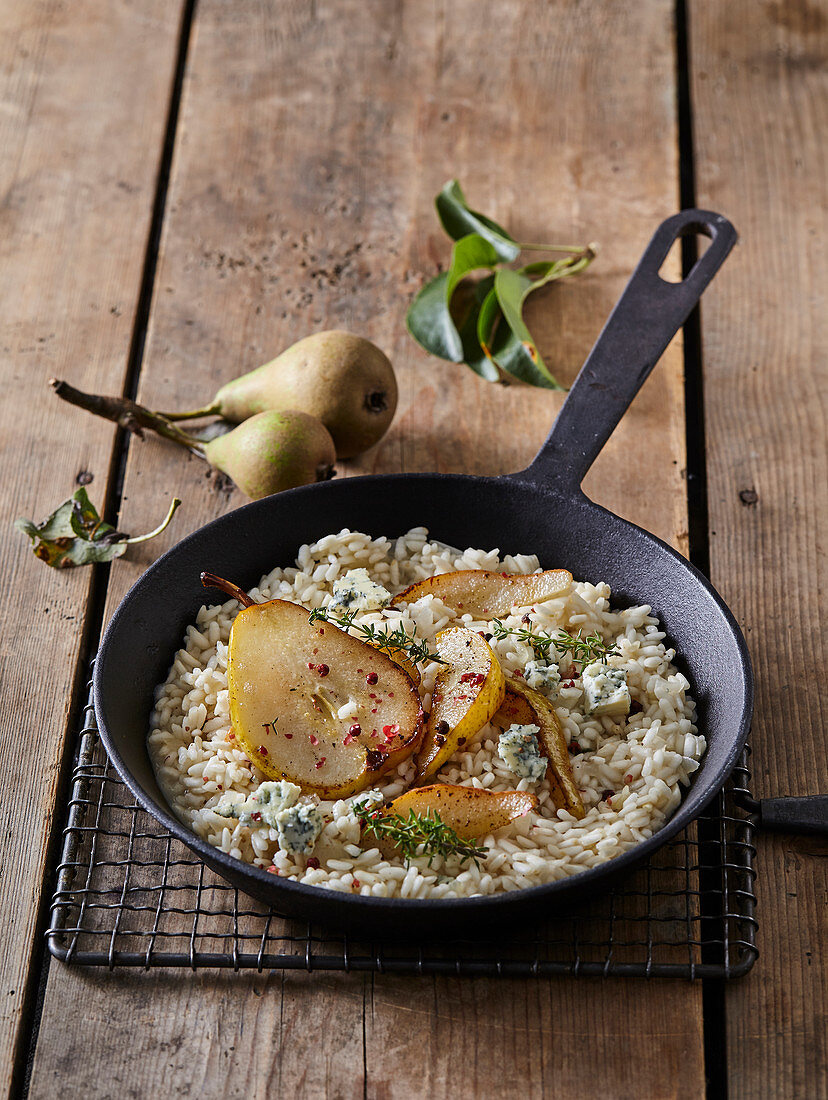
<point>605,689</point>
<point>298,827</point>
<point>543,677</point>
<point>357,592</point>
<point>518,747</point>
<point>266,802</point>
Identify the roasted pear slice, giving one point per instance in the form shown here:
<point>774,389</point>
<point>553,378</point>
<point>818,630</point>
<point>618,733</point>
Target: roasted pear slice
<point>470,811</point>
<point>515,709</point>
<point>289,679</point>
<point>468,690</point>
<point>488,595</point>
<point>526,706</point>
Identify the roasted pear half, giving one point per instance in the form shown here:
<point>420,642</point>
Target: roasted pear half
<point>290,679</point>
<point>468,690</point>
<point>487,595</point>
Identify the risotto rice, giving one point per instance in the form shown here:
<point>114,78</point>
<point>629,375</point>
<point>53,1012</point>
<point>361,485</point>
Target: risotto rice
<point>630,770</point>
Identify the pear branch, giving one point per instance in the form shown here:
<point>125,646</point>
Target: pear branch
<point>194,414</point>
<point>128,414</point>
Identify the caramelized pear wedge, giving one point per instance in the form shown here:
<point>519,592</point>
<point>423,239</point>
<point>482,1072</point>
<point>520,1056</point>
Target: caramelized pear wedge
<point>526,706</point>
<point>488,595</point>
<point>468,690</point>
<point>515,710</point>
<point>288,679</point>
<point>470,811</point>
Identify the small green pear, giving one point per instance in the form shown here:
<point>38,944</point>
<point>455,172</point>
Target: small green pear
<point>272,451</point>
<point>343,380</point>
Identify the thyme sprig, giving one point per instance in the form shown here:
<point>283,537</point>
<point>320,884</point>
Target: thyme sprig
<point>387,640</point>
<point>419,834</point>
<point>583,650</point>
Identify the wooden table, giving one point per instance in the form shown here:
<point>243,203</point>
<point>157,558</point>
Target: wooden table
<point>189,188</point>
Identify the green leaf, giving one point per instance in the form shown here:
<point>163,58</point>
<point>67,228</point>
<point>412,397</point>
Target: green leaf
<point>474,356</point>
<point>469,254</point>
<point>487,319</point>
<point>459,220</point>
<point>74,534</point>
<point>429,317</point>
<point>429,321</point>
<point>513,348</point>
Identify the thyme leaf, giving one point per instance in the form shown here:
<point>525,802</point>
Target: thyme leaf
<point>385,640</point>
<point>418,834</point>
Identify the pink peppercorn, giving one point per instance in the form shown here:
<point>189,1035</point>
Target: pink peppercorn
<point>314,740</point>
<point>313,862</point>
<point>323,670</point>
<point>320,762</point>
<point>371,678</point>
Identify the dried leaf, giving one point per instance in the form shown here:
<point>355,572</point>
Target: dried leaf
<point>74,534</point>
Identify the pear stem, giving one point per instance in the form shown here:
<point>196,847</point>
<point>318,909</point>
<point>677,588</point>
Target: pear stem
<point>194,414</point>
<point>128,414</point>
<point>161,527</point>
<point>210,580</point>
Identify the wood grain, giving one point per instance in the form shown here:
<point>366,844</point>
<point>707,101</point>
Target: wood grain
<point>83,89</point>
<point>760,93</point>
<point>313,138</point>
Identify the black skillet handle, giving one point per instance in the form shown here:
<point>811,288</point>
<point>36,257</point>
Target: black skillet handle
<point>807,814</point>
<point>647,316</point>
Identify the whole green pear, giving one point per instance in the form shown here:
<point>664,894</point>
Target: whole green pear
<point>274,450</point>
<point>343,380</point>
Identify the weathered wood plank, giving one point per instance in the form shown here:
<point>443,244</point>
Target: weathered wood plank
<point>84,90</point>
<point>312,144</point>
<point>760,95</point>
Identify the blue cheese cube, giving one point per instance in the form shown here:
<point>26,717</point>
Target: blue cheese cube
<point>357,592</point>
<point>298,827</point>
<point>262,806</point>
<point>518,747</point>
<point>543,677</point>
<point>605,690</point>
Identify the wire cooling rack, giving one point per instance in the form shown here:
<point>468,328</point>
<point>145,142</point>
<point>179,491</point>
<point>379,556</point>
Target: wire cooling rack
<point>128,894</point>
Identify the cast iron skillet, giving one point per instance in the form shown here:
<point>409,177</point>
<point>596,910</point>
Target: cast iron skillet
<point>540,510</point>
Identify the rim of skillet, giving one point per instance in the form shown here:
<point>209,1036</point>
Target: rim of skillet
<point>580,882</point>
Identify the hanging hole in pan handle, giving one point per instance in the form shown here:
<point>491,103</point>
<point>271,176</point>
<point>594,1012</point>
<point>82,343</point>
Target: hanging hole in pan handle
<point>647,316</point>
<point>807,814</point>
